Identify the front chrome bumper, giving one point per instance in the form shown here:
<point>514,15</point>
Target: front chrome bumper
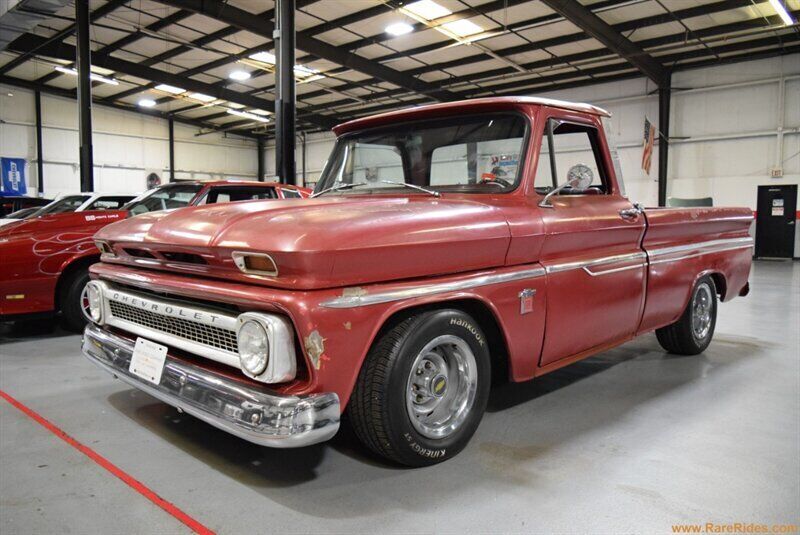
<point>248,412</point>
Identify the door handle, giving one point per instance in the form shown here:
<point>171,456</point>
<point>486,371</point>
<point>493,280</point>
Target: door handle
<point>632,213</point>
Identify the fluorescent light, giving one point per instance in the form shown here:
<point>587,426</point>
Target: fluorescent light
<point>782,13</point>
<point>264,57</point>
<point>301,71</point>
<point>260,112</point>
<point>92,75</point>
<point>239,75</point>
<point>235,106</point>
<point>399,28</point>
<point>427,9</point>
<point>462,27</point>
<point>170,89</point>
<point>202,98</point>
<point>147,103</point>
<point>248,115</point>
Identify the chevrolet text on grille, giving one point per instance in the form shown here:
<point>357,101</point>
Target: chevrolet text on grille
<point>164,309</point>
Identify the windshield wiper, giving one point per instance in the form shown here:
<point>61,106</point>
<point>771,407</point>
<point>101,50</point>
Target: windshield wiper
<point>413,186</point>
<point>337,188</point>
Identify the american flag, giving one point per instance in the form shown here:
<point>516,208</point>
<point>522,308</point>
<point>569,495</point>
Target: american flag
<point>649,139</point>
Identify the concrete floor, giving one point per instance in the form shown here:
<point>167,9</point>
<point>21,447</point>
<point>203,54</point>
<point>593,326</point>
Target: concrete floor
<point>632,440</point>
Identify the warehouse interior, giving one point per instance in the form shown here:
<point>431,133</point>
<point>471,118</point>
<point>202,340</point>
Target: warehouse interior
<point>97,96</point>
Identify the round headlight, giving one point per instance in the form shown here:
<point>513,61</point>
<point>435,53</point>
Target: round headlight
<point>253,347</point>
<point>94,302</point>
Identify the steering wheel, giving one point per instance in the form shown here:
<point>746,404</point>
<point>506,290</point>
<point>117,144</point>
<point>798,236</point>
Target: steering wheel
<point>503,183</point>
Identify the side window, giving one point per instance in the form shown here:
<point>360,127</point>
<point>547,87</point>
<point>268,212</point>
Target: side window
<point>573,144</point>
<point>291,194</point>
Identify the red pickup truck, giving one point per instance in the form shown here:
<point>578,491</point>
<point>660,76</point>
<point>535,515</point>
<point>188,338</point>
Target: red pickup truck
<point>45,259</point>
<point>445,246</point>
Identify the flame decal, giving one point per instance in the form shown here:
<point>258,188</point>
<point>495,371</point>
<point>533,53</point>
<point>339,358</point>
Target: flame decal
<point>53,249</point>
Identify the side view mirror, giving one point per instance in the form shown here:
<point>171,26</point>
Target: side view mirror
<point>579,178</point>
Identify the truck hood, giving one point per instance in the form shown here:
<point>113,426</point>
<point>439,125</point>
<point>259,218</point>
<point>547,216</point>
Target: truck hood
<point>326,242</point>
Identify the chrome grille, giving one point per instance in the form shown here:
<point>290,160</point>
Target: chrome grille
<point>216,337</point>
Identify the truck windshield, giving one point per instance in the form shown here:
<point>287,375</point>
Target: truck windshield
<point>164,198</point>
<point>472,155</point>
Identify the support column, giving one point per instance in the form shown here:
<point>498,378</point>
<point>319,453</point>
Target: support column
<point>304,159</point>
<point>664,99</point>
<point>83,60</point>
<point>260,156</point>
<point>39,150</point>
<point>284,37</point>
<point>171,126</point>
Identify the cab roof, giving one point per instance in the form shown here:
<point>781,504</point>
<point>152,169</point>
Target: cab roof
<point>460,107</point>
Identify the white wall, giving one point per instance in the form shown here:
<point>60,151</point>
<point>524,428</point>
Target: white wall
<point>127,146</point>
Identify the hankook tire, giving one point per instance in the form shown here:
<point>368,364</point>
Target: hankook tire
<point>423,388</point>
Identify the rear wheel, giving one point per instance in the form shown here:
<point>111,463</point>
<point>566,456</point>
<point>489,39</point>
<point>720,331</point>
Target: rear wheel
<point>693,331</point>
<point>73,300</point>
<point>423,388</point>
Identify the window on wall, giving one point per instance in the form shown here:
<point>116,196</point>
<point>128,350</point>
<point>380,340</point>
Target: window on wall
<point>573,144</point>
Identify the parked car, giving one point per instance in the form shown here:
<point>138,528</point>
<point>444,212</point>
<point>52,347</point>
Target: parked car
<point>48,254</point>
<point>10,203</point>
<point>83,202</point>
<point>22,214</point>
<point>445,245</point>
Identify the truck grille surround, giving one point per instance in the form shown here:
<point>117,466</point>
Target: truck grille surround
<point>208,335</point>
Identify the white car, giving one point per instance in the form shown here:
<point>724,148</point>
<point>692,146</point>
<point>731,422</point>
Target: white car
<point>81,202</point>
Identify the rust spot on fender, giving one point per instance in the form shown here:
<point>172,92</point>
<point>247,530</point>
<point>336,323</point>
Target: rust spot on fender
<point>347,325</point>
<point>315,347</point>
<point>356,291</point>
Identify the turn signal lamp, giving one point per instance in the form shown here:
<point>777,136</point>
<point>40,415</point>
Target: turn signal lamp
<point>255,263</point>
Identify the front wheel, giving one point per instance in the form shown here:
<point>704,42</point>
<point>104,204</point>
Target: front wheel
<point>693,331</point>
<point>423,388</point>
<point>74,302</point>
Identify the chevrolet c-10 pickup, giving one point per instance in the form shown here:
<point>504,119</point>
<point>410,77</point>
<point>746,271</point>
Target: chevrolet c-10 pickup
<point>446,248</point>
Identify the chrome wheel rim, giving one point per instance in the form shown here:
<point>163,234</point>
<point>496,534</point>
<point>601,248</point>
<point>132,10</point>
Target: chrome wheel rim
<point>441,386</point>
<point>85,304</point>
<point>702,305</point>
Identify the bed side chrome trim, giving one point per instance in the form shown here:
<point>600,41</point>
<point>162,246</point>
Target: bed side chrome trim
<point>585,264</point>
<point>352,301</point>
<point>698,249</point>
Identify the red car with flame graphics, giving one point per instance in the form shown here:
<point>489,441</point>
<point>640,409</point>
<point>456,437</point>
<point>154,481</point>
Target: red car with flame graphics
<point>45,260</point>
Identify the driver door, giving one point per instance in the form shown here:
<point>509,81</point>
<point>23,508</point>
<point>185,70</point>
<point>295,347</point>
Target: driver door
<point>592,255</point>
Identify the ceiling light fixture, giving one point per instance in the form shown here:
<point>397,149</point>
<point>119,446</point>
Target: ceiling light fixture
<point>427,9</point>
<point>264,57</point>
<point>399,28</point>
<point>462,27</point>
<point>170,89</point>
<point>239,76</point>
<point>147,103</point>
<point>248,115</point>
<point>201,97</point>
<point>94,76</point>
<point>782,12</point>
<point>260,112</point>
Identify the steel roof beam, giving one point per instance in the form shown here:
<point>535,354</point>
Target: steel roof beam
<point>63,34</point>
<point>67,52</point>
<point>245,20</point>
<point>603,32</point>
<point>70,94</point>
